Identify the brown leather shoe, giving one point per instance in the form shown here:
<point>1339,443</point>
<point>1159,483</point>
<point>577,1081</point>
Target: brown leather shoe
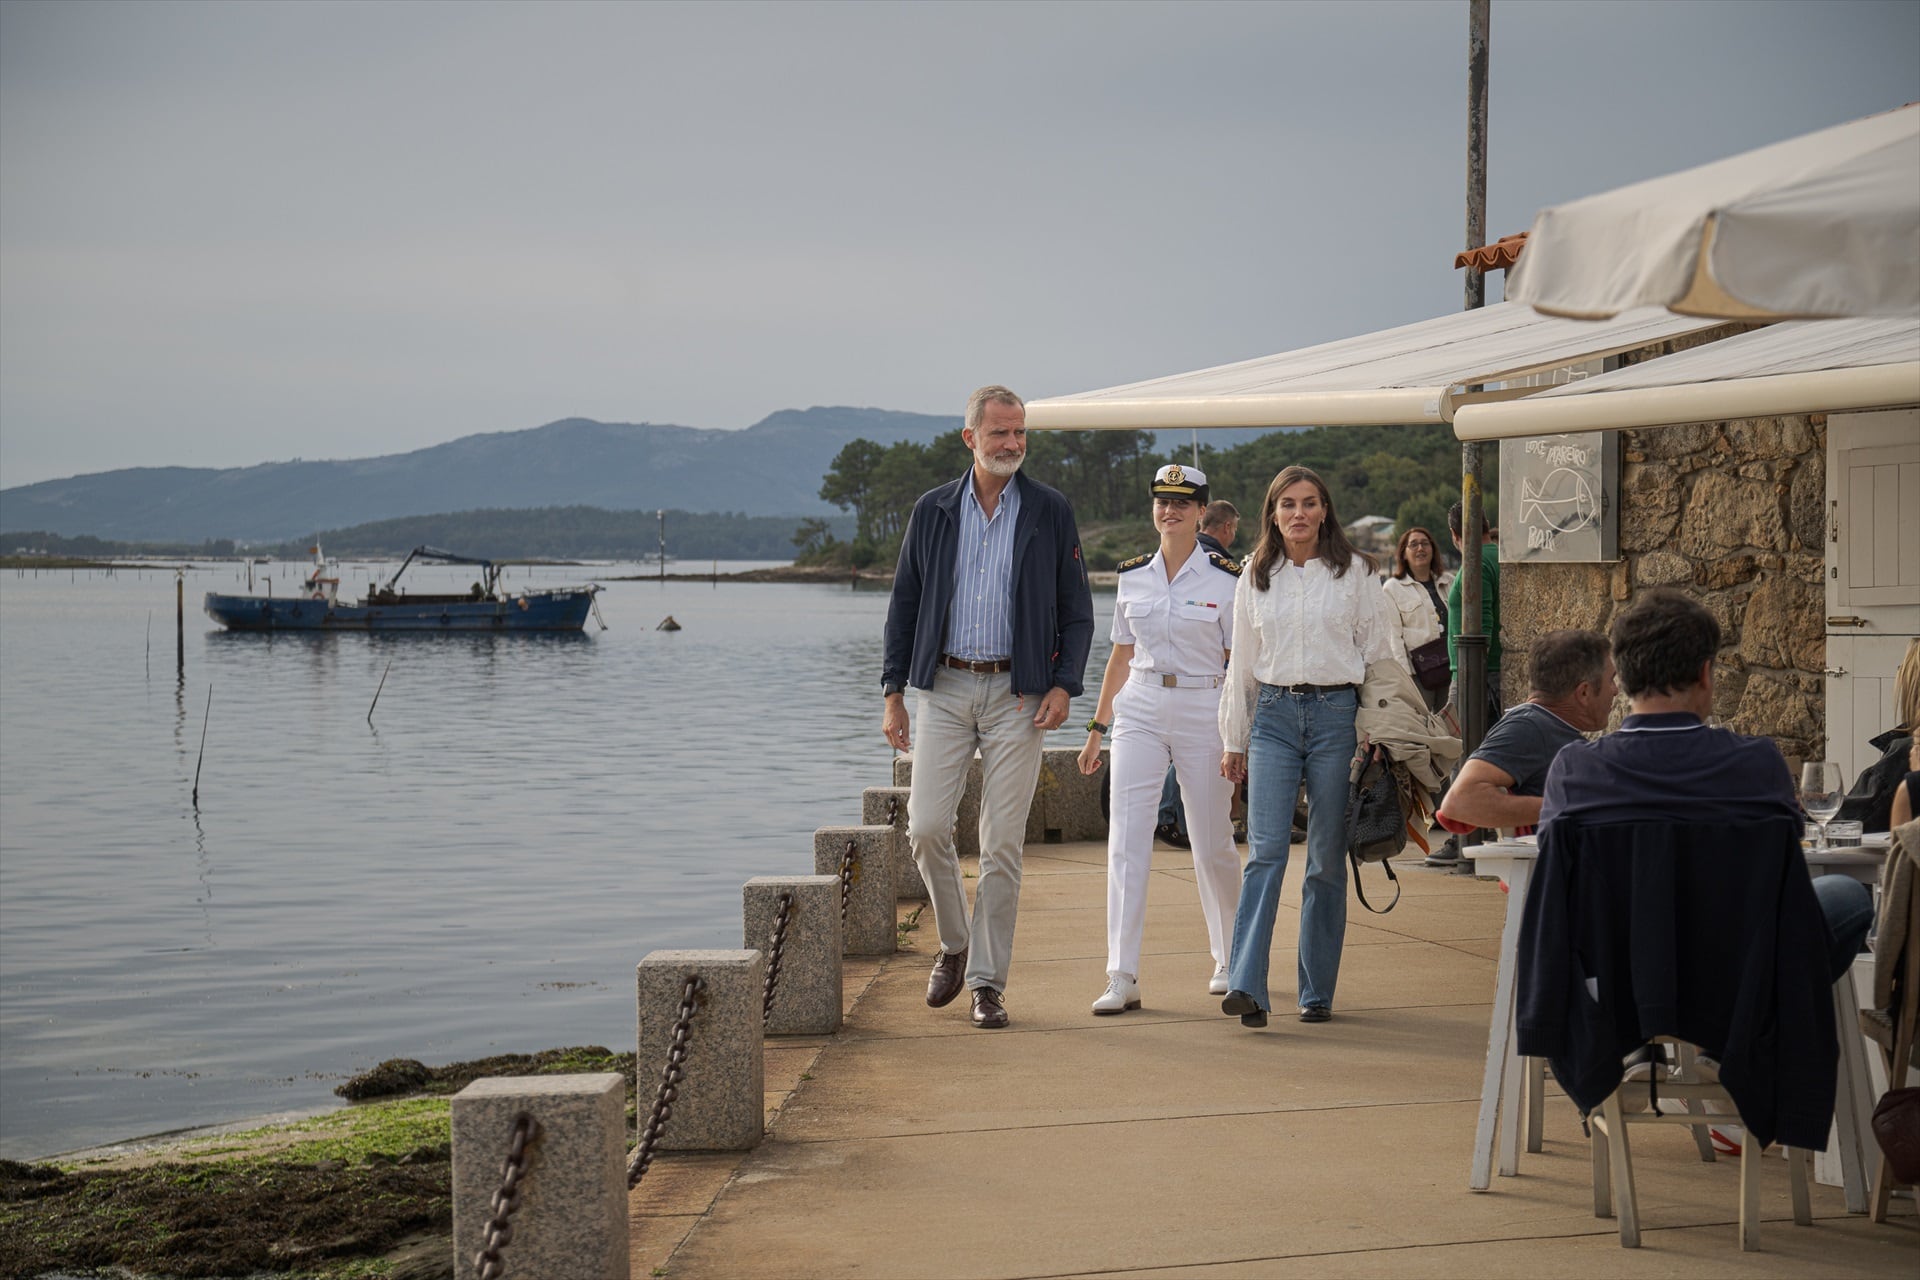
<point>949,975</point>
<point>987,1009</point>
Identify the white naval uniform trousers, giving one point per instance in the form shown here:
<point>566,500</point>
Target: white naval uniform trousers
<point>1178,629</point>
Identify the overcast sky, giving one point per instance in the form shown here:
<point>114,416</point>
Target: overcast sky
<point>235,233</point>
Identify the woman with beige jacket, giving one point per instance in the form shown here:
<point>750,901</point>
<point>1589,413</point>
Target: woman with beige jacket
<point>1417,597</point>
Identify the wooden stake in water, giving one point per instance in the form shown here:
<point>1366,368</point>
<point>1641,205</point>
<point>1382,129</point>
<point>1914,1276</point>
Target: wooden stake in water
<point>205,716</point>
<point>376,692</point>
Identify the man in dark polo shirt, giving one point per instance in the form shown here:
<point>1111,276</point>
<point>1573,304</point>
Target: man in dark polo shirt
<point>1571,695</point>
<point>1666,762</point>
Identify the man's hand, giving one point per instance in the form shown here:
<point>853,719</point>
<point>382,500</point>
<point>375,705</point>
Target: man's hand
<point>1053,710</point>
<point>893,724</point>
<point>1233,766</point>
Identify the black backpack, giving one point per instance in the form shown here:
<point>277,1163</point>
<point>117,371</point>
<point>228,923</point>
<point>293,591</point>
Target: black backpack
<point>1376,817</point>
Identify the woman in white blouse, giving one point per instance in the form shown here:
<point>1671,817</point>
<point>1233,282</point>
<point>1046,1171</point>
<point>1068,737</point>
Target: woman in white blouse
<point>1308,617</point>
<point>1417,595</point>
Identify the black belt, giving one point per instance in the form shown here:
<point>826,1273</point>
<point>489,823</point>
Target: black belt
<point>987,668</point>
<point>1314,688</point>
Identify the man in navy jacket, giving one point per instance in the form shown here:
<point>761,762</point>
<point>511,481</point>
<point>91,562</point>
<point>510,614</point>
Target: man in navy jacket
<point>990,620</point>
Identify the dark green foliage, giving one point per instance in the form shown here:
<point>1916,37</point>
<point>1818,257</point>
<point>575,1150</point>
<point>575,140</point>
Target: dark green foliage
<point>1410,473</point>
<point>1372,471</point>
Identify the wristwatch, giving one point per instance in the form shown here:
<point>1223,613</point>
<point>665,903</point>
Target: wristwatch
<point>888,689</point>
<point>1094,726</point>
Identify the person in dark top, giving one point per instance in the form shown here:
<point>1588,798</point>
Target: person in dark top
<point>1499,785</point>
<point>1665,762</point>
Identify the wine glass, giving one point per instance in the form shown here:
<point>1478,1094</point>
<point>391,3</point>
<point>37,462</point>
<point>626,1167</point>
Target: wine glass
<point>1820,793</point>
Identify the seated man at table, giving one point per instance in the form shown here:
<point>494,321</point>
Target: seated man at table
<point>1571,679</point>
<point>1666,762</point>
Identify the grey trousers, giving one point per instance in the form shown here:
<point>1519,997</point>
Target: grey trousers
<point>962,713</point>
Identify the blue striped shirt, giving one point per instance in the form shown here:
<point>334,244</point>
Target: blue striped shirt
<point>980,620</point>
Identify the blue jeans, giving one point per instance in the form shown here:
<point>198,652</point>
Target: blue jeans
<point>1296,735</point>
<point>1848,907</point>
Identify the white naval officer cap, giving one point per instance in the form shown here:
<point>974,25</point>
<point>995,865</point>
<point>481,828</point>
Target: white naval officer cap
<point>1178,481</point>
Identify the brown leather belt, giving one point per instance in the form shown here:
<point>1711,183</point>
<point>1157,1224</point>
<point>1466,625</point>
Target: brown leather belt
<point>992,668</point>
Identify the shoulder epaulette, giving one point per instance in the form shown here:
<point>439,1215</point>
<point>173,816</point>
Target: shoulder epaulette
<point>1134,563</point>
<point>1227,563</point>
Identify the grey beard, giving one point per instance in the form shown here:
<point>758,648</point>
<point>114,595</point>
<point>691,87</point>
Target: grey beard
<point>995,467</point>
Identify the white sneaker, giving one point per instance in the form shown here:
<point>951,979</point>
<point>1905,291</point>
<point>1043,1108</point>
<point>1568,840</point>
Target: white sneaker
<point>1122,994</point>
<point>1217,985</point>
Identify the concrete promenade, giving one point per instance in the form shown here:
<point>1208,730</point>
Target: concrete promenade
<point>1172,1142</point>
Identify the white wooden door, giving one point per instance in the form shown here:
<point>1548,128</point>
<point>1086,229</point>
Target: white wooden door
<point>1873,572</point>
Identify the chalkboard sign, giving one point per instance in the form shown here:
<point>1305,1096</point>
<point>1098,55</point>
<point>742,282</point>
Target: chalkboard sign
<point>1559,498</point>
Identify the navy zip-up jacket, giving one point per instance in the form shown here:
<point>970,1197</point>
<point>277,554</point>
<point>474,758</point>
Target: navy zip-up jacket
<point>1052,603</point>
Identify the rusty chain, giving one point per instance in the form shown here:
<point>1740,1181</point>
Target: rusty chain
<point>893,810</point>
<point>498,1231</point>
<point>775,949</point>
<point>692,997</point>
<point>848,865</point>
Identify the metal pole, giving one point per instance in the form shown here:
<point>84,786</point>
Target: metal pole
<point>1471,642</point>
<point>663,544</point>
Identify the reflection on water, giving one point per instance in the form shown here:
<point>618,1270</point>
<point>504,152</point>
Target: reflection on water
<point>475,871</point>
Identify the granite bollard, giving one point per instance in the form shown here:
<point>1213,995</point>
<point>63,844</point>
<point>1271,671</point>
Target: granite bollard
<point>1066,800</point>
<point>572,1219</point>
<point>806,998</point>
<point>874,805</point>
<point>721,1103</point>
<point>869,926</point>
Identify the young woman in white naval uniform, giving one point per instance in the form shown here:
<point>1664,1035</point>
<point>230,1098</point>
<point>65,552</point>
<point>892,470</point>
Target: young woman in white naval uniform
<point>1172,623</point>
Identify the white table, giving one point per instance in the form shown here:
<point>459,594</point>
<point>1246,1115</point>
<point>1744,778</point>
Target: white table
<point>1504,1081</point>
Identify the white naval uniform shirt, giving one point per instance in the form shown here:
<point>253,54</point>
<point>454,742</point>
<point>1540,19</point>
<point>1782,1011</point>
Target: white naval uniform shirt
<point>1179,628</point>
<point>1307,627</point>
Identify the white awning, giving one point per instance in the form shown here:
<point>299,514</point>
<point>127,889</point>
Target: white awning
<point>1800,366</point>
<point>1412,374</point>
<point>1821,225</point>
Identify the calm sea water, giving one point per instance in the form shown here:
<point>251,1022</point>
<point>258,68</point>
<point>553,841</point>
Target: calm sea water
<point>476,872</point>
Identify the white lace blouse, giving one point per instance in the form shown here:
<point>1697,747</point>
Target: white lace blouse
<point>1307,627</point>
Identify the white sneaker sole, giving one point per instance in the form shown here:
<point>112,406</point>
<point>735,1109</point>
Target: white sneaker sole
<point>1098,1012</point>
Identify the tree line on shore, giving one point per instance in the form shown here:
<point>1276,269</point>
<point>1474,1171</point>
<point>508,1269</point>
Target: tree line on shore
<point>1409,473</point>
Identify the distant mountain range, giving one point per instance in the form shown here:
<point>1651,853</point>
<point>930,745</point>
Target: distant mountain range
<point>771,468</point>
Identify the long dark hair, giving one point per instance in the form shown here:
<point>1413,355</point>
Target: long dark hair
<point>1334,547</point>
<point>1400,569</point>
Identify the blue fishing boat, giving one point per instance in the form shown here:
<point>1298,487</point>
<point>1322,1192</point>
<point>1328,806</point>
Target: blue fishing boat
<point>386,607</point>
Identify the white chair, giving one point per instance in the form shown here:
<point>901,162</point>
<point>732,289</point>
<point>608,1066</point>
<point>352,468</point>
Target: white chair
<point>1613,1160</point>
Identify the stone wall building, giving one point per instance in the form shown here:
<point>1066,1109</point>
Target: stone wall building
<point>1732,512</point>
